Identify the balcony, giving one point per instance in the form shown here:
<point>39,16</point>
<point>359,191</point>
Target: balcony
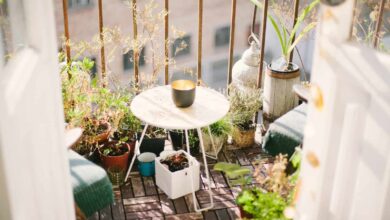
<point>289,118</point>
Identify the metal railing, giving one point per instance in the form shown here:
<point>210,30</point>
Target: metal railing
<point>260,40</point>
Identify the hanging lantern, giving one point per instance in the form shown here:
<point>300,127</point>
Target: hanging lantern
<point>245,70</point>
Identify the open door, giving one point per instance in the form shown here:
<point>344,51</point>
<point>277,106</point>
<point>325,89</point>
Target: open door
<point>34,171</point>
<point>346,154</point>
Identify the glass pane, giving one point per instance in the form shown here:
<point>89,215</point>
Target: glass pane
<point>12,29</point>
<point>365,21</point>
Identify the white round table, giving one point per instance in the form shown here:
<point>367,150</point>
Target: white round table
<point>155,107</point>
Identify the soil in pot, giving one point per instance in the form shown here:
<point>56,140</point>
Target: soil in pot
<point>175,162</point>
<point>115,154</point>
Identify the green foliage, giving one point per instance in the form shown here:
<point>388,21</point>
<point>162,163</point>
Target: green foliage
<point>288,40</point>
<point>193,138</point>
<point>236,174</point>
<point>219,128</point>
<point>264,206</point>
<point>243,106</point>
<point>76,91</point>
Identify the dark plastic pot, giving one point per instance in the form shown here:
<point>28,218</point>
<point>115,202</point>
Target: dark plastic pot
<point>177,138</point>
<point>153,145</point>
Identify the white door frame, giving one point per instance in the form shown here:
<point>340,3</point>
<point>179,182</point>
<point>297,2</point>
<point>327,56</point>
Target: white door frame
<point>34,169</point>
<point>346,156</point>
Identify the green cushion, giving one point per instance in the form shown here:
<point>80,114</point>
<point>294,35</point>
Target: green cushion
<point>92,189</point>
<point>286,132</point>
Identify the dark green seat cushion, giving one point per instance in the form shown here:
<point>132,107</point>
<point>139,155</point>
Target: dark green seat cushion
<point>286,132</point>
<point>92,189</point>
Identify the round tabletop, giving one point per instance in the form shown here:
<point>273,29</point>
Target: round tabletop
<point>155,107</point>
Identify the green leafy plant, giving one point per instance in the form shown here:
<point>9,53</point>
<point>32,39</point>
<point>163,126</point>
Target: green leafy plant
<point>219,128</point>
<point>288,40</point>
<point>260,205</point>
<point>115,148</point>
<point>193,139</point>
<point>236,174</point>
<point>243,106</point>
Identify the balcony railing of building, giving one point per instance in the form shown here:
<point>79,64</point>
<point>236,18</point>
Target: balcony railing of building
<point>254,36</point>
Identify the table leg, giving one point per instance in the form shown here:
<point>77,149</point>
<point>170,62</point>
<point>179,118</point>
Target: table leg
<point>215,156</point>
<point>136,151</point>
<point>206,171</point>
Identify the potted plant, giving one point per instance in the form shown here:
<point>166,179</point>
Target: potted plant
<point>115,154</point>
<point>268,202</point>
<point>177,169</point>
<point>193,138</point>
<point>219,132</point>
<point>282,74</point>
<point>244,103</point>
<point>154,140</point>
<point>177,139</point>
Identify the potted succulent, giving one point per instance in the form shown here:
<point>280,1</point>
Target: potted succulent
<point>244,103</point>
<point>177,169</point>
<point>282,74</point>
<point>219,132</point>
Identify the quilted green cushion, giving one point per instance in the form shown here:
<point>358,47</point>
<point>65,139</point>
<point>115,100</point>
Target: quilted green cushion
<point>92,189</point>
<point>286,132</point>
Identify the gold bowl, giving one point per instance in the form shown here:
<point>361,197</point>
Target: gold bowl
<point>183,93</point>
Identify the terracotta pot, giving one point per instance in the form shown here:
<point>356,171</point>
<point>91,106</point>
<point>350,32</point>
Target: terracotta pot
<point>99,138</point>
<point>243,138</point>
<point>121,161</point>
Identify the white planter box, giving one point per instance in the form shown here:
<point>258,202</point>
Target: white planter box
<point>177,184</point>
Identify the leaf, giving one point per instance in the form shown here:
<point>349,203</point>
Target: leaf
<point>257,3</point>
<point>224,167</point>
<point>277,30</point>
<point>301,35</point>
<point>300,19</point>
<point>235,173</point>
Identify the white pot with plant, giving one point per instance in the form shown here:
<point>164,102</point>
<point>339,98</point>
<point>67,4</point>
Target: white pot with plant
<point>177,173</point>
<point>243,106</point>
<point>282,74</point>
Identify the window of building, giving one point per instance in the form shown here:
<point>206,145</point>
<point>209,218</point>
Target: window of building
<point>128,60</point>
<point>222,36</point>
<point>181,46</point>
<point>79,3</point>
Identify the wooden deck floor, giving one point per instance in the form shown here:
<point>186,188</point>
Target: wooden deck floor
<point>140,198</point>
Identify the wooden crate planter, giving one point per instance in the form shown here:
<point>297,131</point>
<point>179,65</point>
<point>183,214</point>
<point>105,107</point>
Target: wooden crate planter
<point>177,184</point>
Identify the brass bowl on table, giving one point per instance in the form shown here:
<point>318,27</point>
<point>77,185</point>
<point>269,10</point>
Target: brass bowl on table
<point>183,93</point>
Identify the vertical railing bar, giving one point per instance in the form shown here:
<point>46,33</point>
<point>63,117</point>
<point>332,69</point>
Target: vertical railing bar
<point>378,24</point>
<point>166,26</point>
<point>66,30</point>
<point>262,42</point>
<point>200,26</point>
<point>254,19</point>
<point>231,43</point>
<point>102,56</point>
<point>296,10</point>
<point>353,19</point>
<point>135,49</point>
